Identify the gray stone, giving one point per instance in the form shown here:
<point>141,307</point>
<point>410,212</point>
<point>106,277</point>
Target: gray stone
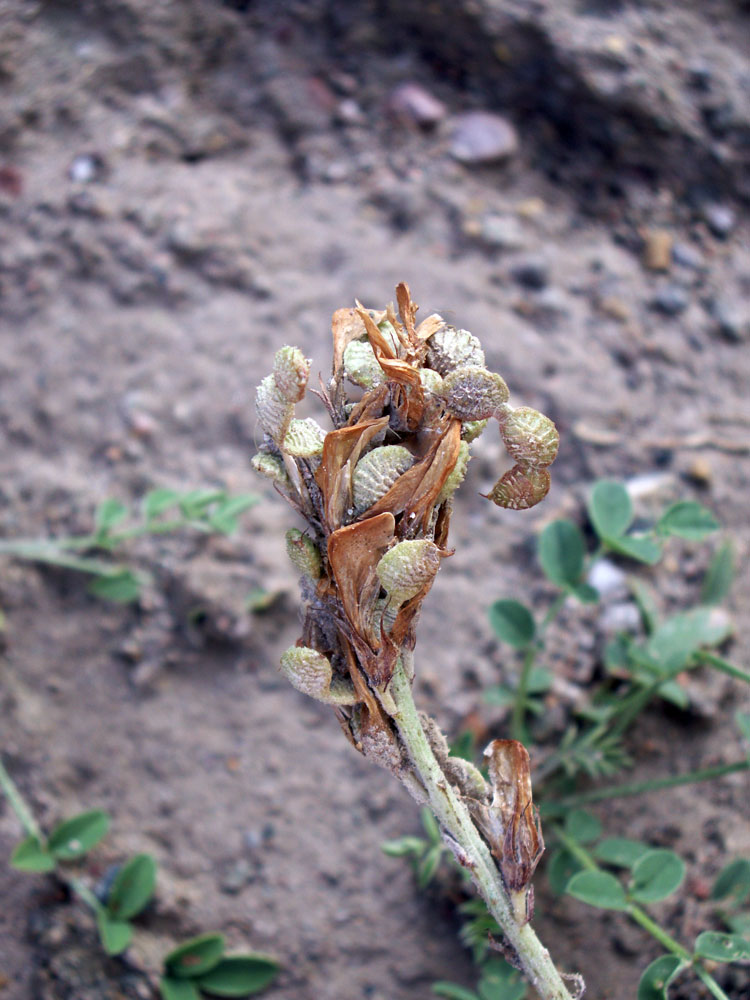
<point>483,137</point>
<point>504,232</point>
<point>688,256</point>
<point>670,300</point>
<point>531,271</point>
<point>720,219</point>
<point>411,103</point>
<point>621,617</point>
<point>732,321</point>
<point>606,577</point>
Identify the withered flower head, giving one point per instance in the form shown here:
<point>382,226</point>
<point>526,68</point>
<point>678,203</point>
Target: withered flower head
<point>376,492</point>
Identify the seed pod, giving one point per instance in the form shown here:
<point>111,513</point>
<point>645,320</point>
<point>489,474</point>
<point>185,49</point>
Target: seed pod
<point>291,370</point>
<point>304,553</point>
<point>304,438</point>
<point>449,348</point>
<point>361,366</point>
<point>377,472</point>
<point>389,332</point>
<point>471,429</point>
<point>520,488</point>
<point>530,437</point>
<point>272,468</point>
<point>457,474</point>
<point>274,410</point>
<point>431,381</point>
<point>473,393</point>
<point>311,673</point>
<point>406,568</point>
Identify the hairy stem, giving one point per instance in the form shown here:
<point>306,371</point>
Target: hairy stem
<point>456,821</point>
<point>18,805</point>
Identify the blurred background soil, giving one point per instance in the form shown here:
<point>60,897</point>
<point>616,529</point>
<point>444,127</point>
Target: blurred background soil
<point>186,185</point>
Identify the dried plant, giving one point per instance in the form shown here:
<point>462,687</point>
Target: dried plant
<point>376,493</point>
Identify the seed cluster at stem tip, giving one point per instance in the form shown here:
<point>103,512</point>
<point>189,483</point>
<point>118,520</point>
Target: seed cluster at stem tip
<point>406,402</point>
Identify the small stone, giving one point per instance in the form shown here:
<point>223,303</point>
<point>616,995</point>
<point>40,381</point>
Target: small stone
<point>606,577</point>
<point>615,308</point>
<point>531,272</point>
<point>670,300</point>
<point>411,103</point>
<point>701,471</point>
<point>483,137</point>
<point>688,256</point>
<point>621,617</point>
<point>86,168</point>
<point>720,219</point>
<point>657,249</point>
<point>236,877</point>
<point>731,321</point>
<point>501,232</point>
<point>531,208</point>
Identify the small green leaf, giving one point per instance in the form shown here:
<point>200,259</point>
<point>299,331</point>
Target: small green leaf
<point>195,503</point>
<point>195,957</point>
<point>620,852</point>
<point>500,981</point>
<point>464,746</point>
<point>742,721</point>
<point>178,989</point>
<point>403,847</point>
<point>582,826</point>
<point>429,865</point>
<point>733,880</point>
<point>656,875</point>
<point>646,602</point>
<point>561,553</point>
<point>132,888</point>
<point>108,514</point>
<point>718,579</point>
<point>115,935</point>
<point>722,947</point>
<point>610,509</point>
<point>76,836</point>
<point>585,593</point>
<point>687,519</point>
<point>453,991</point>
<point>598,889</point>
<point>159,501</point>
<point>638,547</point>
<point>31,856</point>
<point>240,975</point>
<point>561,867</point>
<point>657,977</point>
<point>121,586</point>
<point>225,518</point>
<point>676,639</point>
<point>430,825</point>
<point>513,623</point>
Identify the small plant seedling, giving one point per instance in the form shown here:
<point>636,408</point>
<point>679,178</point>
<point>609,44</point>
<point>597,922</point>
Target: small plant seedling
<point>162,511</point>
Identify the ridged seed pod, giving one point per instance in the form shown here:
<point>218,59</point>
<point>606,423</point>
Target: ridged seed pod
<point>473,393</point>
<point>520,488</point>
<point>450,348</point>
<point>271,467</point>
<point>471,429</point>
<point>377,472</point>
<point>311,673</point>
<point>457,474</point>
<point>291,370</point>
<point>274,410</point>
<point>406,568</point>
<point>361,366</point>
<point>530,437</point>
<point>304,438</point>
<point>304,553</point>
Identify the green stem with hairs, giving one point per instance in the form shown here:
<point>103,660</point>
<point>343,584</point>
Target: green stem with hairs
<point>18,805</point>
<point>456,821</point>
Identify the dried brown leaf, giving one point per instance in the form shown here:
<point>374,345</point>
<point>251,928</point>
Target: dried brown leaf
<point>353,553</point>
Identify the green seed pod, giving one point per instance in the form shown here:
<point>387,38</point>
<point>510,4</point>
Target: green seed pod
<point>530,437</point>
<point>274,410</point>
<point>361,366</point>
<point>431,381</point>
<point>311,673</point>
<point>272,468</point>
<point>291,370</point>
<point>471,429</point>
<point>520,488</point>
<point>449,348</point>
<point>377,472</point>
<point>304,438</point>
<point>389,332</point>
<point>406,568</point>
<point>457,474</point>
<point>304,553</point>
<point>473,393</point>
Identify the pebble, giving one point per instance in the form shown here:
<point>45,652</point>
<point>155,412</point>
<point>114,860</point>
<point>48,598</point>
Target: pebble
<point>720,219</point>
<point>483,137</point>
<point>86,167</point>
<point>650,484</point>
<point>236,877</point>
<point>688,256</point>
<point>732,322</point>
<point>621,617</point>
<point>701,471</point>
<point>502,232</point>
<point>606,577</point>
<point>670,300</point>
<point>657,249</point>
<point>531,272</point>
<point>410,102</point>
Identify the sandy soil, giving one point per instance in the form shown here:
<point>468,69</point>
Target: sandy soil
<point>186,186</point>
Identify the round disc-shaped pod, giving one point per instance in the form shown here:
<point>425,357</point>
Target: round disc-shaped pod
<point>474,393</point>
<point>521,487</point>
<point>529,436</point>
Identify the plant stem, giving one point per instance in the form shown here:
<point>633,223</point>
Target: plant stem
<point>18,805</point>
<point>456,821</point>
<point>517,726</point>
<point>719,663</point>
<point>82,891</point>
<point>638,787</point>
